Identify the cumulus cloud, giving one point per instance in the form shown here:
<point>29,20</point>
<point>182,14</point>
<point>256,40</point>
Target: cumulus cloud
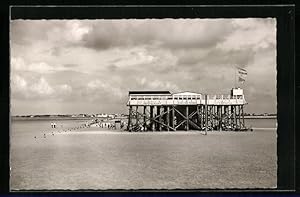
<point>42,88</point>
<point>156,84</point>
<point>18,83</point>
<point>100,60</point>
<point>167,33</point>
<point>135,58</point>
<point>18,64</point>
<point>100,88</point>
<point>37,89</point>
<point>65,89</point>
<point>251,33</point>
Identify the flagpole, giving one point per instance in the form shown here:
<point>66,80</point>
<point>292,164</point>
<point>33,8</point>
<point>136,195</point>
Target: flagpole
<point>234,77</point>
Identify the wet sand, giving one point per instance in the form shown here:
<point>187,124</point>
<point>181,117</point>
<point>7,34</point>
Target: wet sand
<point>121,160</point>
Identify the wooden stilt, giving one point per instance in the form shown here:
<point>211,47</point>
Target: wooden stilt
<point>211,116</point>
<point>239,117</point>
<point>151,117</point>
<point>198,116</point>
<point>206,120</point>
<point>129,118</point>
<point>136,117</point>
<point>220,117</point>
<point>144,115</point>
<point>243,118</point>
<point>202,116</point>
<point>160,117</point>
<point>187,117</point>
<point>173,117</point>
<point>168,118</point>
<point>234,116</point>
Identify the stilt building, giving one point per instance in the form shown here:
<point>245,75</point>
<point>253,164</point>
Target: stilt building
<point>164,111</point>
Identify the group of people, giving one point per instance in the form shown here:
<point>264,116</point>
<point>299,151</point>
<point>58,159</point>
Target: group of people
<point>53,125</point>
<point>108,125</point>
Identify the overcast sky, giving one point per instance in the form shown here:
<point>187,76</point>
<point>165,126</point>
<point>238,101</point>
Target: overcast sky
<point>88,66</point>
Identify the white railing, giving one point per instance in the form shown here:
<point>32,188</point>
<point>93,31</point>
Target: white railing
<point>185,100</point>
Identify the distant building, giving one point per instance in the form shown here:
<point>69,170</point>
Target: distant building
<point>102,116</point>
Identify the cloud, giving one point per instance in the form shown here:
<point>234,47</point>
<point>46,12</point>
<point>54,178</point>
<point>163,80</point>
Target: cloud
<point>232,58</point>
<point>18,64</point>
<point>100,60</point>
<point>251,33</point>
<point>42,88</point>
<point>156,84</point>
<point>65,89</point>
<point>70,65</point>
<point>135,58</point>
<point>18,83</point>
<point>97,89</point>
<point>168,33</point>
<point>37,89</point>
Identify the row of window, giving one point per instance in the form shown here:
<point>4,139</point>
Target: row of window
<point>182,98</point>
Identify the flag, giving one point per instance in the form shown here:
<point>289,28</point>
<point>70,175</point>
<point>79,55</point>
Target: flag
<point>242,74</point>
<point>241,80</point>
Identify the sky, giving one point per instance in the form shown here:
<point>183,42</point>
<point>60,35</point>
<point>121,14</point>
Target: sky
<point>88,66</point>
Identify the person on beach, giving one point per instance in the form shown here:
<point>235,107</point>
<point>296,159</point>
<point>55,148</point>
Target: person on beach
<point>44,135</point>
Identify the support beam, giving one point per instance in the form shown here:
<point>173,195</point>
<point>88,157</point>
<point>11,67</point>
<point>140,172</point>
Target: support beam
<point>202,116</point>
<point>187,117</point>
<point>243,118</point>
<point>136,117</point>
<point>173,117</point>
<point>234,116</point>
<point>151,116</point>
<point>168,118</point>
<point>144,116</point>
<point>129,118</point>
<point>198,115</point>
<point>239,117</point>
<point>206,113</point>
<point>159,108</point>
<point>165,116</point>
<point>211,116</point>
<point>220,117</point>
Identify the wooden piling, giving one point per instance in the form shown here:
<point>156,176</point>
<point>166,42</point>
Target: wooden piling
<point>160,117</point>
<point>129,118</point>
<point>144,115</point>
<point>173,117</point>
<point>168,118</point>
<point>243,118</point>
<point>151,118</point>
<point>187,117</point>
<point>206,125</point>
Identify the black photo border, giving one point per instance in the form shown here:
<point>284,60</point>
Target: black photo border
<point>285,17</point>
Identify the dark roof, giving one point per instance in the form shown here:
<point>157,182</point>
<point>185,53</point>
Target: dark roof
<point>149,92</point>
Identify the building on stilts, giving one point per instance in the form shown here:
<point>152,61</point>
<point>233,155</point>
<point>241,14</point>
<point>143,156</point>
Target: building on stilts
<point>166,111</point>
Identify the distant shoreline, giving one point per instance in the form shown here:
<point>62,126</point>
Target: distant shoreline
<point>90,118</point>
<point>260,117</point>
<point>50,118</point>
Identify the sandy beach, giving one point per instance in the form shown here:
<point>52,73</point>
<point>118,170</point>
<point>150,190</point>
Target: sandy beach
<point>106,159</point>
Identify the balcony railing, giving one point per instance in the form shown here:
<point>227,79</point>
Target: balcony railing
<point>186,100</point>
